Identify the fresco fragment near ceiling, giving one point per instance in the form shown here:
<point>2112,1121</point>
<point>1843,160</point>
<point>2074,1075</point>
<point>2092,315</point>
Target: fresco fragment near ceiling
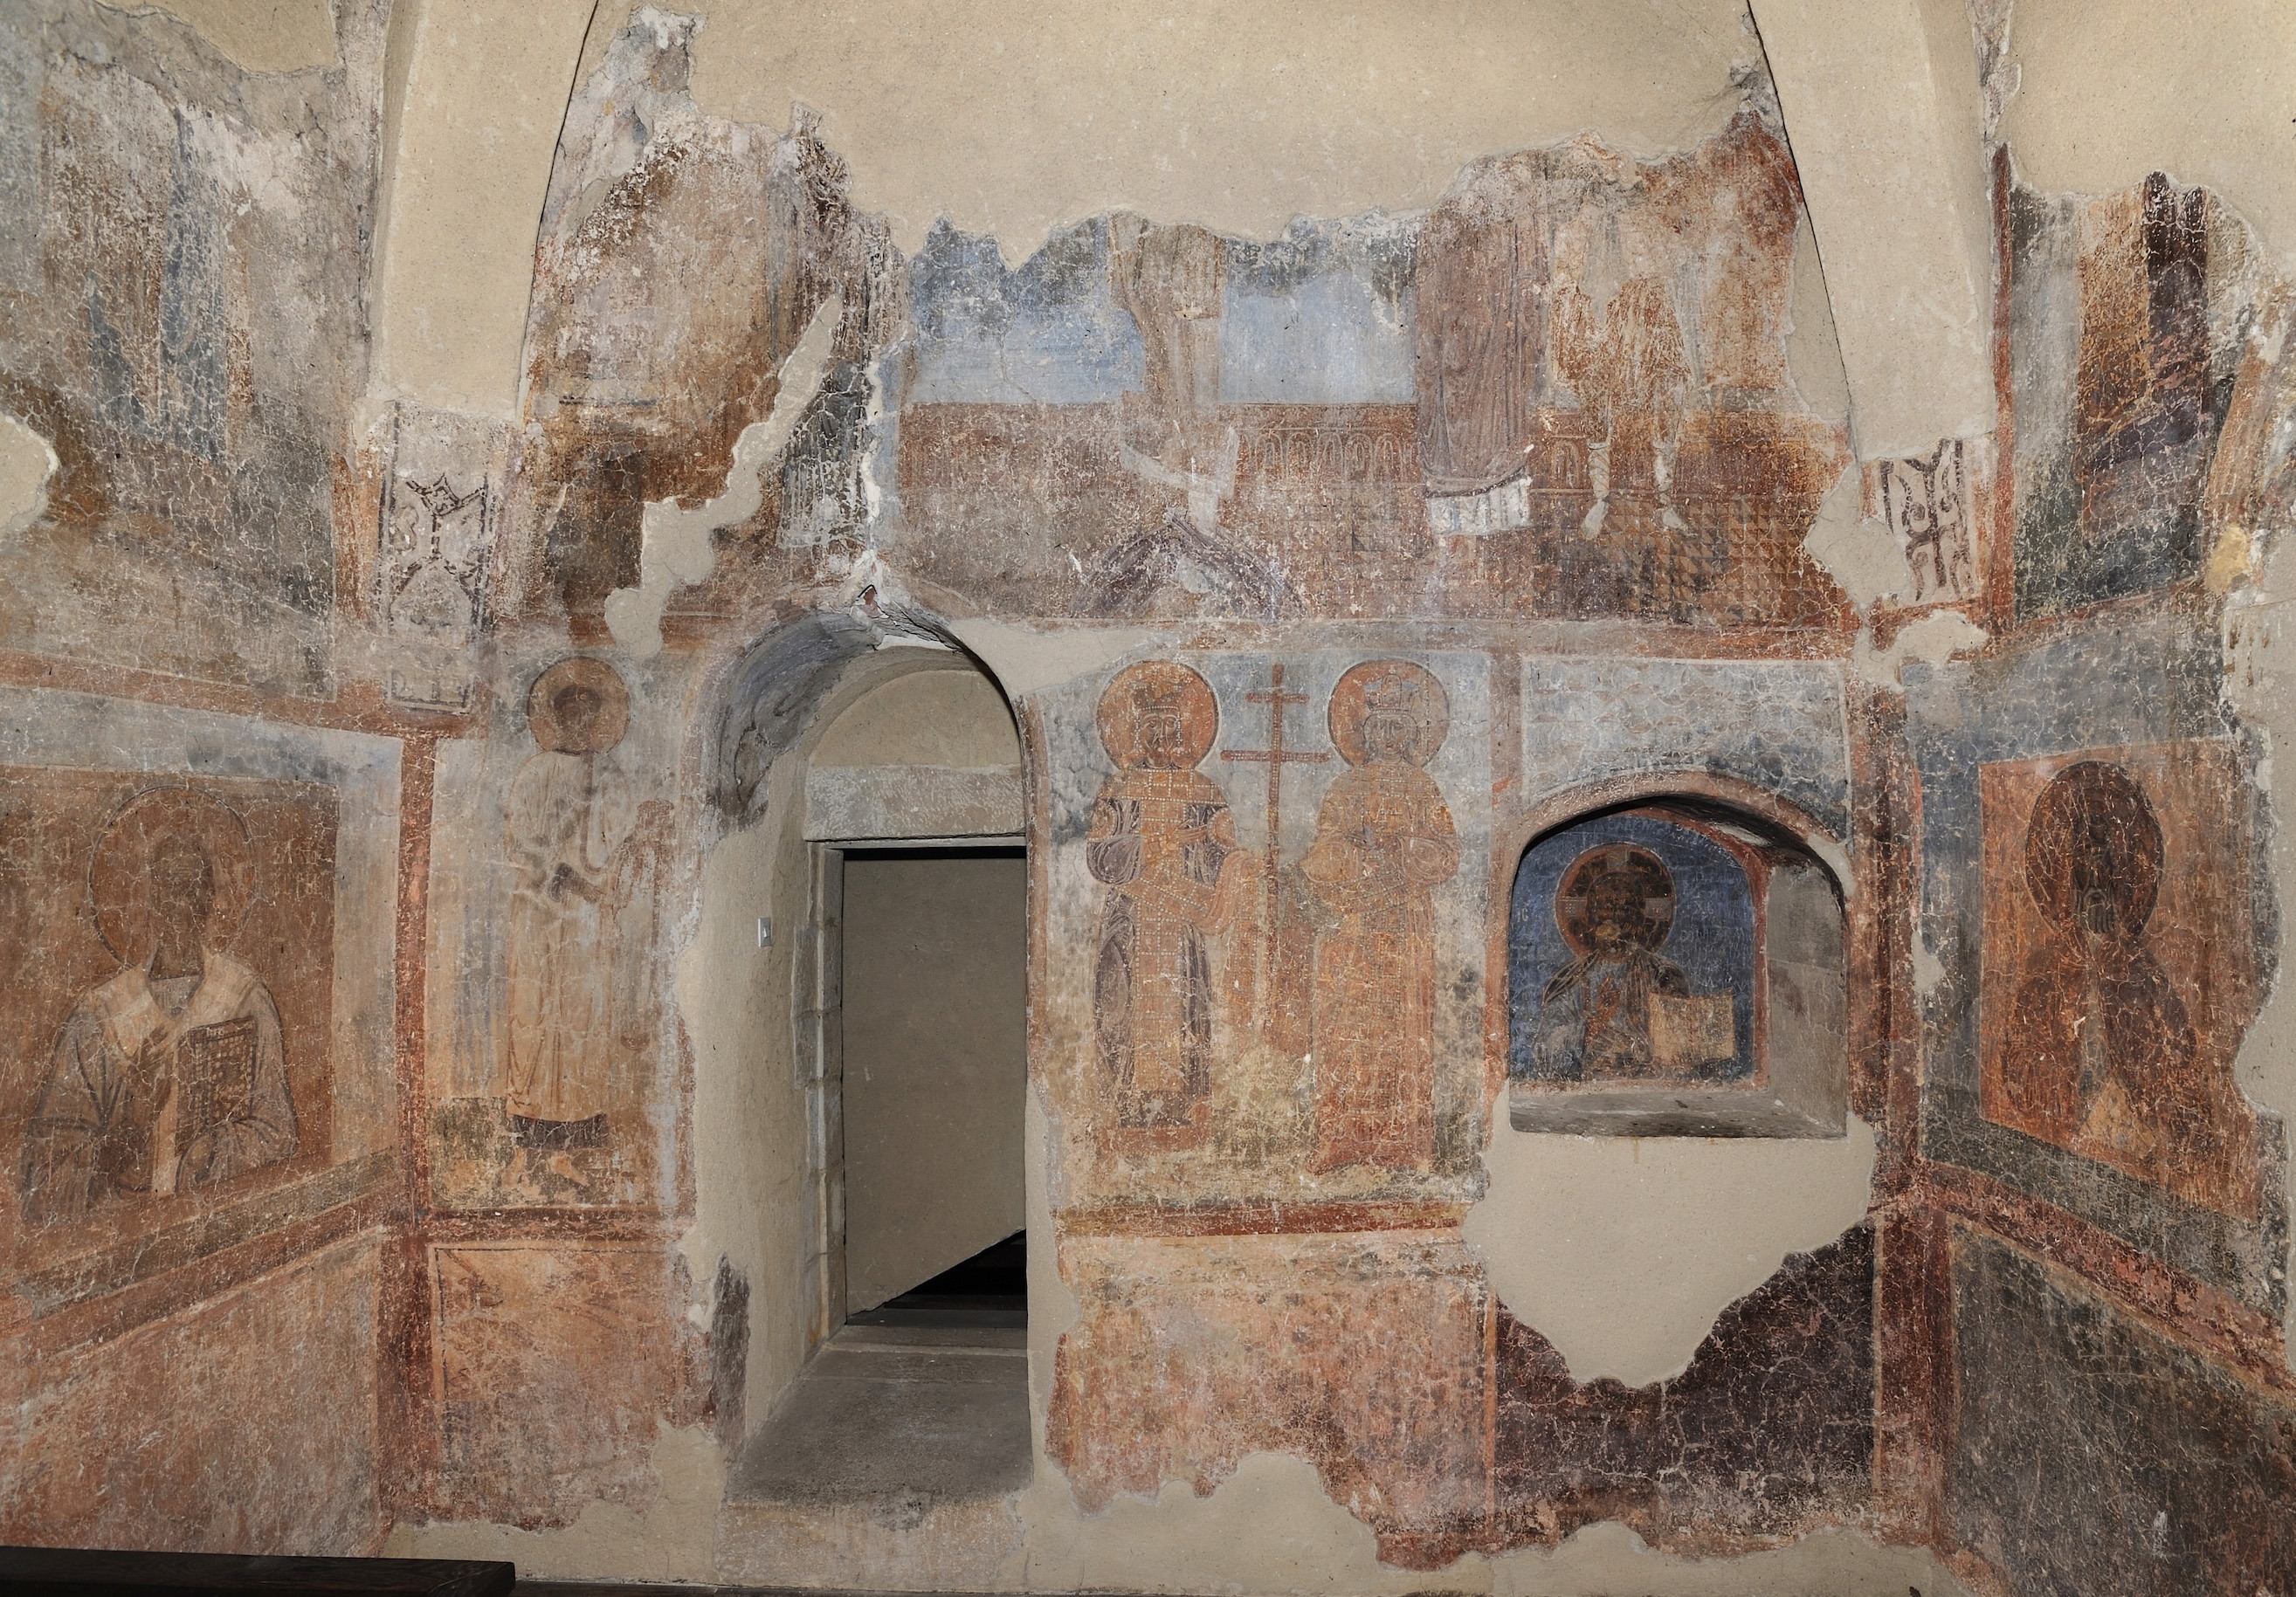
<point>174,328</point>
<point>1563,392</point>
<point>2143,327</point>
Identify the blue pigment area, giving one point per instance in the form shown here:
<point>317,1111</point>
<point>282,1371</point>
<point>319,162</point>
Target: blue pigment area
<point>1712,938</point>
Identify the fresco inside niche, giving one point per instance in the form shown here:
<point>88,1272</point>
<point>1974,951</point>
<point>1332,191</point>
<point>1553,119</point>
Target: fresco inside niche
<point>1277,913</point>
<point>549,1097</point>
<point>1634,946</point>
<point>172,950</point>
<point>2119,964</point>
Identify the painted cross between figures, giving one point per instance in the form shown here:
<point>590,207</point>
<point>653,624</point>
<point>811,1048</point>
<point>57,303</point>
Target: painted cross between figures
<point>1275,757</point>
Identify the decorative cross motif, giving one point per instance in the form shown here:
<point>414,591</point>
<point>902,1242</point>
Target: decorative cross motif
<point>1275,757</point>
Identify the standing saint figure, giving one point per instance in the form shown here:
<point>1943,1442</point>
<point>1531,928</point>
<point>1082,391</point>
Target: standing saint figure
<point>579,842</point>
<point>170,1075</point>
<point>1384,840</point>
<point>1163,841</point>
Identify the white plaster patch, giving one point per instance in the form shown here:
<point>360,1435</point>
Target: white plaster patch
<point>1269,1528</point>
<point>1011,121</point>
<point>1025,661</point>
<point>678,548</point>
<point>2260,688</point>
<point>1609,1558</point>
<point>1934,639</point>
<point>1929,969</point>
<point>1621,1251</point>
<point>1882,106</point>
<point>1856,549</point>
<point>28,465</point>
<point>673,1537</point>
<point>260,36</point>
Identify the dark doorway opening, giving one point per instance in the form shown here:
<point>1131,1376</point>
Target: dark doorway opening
<point>921,1387</point>
<point>990,1289</point>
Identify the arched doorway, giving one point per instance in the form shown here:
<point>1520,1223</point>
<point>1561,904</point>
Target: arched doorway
<point>911,795</point>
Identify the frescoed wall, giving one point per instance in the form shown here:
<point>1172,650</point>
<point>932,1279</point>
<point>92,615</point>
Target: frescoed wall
<point>1527,735</point>
<point>1632,954</point>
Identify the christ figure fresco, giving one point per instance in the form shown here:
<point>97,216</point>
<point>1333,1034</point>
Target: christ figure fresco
<point>1384,842</point>
<point>1615,906</point>
<point>171,1075</point>
<point>1163,841</point>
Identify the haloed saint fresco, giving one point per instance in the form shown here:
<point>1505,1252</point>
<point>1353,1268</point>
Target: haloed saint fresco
<point>585,849</point>
<point>1164,842</point>
<point>2110,976</point>
<point>169,1069</point>
<point>1273,995</point>
<point>1632,957</point>
<point>1384,842</point>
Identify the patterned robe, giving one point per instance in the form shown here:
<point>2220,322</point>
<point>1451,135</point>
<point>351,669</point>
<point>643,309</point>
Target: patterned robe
<point>1165,844</point>
<point>118,1115</point>
<point>1383,841</point>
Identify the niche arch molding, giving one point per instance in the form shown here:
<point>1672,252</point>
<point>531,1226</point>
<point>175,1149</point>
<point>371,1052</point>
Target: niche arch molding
<point>1786,1074</point>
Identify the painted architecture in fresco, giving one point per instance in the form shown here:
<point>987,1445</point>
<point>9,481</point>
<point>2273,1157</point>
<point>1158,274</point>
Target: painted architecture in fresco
<point>1633,955</point>
<point>2132,303</point>
<point>1525,405</point>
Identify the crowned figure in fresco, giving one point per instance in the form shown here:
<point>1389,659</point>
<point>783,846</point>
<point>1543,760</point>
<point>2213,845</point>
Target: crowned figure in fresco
<point>1384,840</point>
<point>581,844</point>
<point>2107,1061</point>
<point>1164,842</point>
<point>1599,1013</point>
<point>171,1075</point>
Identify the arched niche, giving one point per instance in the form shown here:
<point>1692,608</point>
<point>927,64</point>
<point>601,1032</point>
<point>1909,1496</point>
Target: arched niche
<point>1675,966</point>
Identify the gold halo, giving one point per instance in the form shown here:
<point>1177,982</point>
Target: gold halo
<point>1658,899</point>
<point>1119,728</point>
<point>119,876</point>
<point>1348,708</point>
<point>579,670</point>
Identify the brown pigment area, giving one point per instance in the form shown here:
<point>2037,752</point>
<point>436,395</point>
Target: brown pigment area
<point>1441,1421</point>
<point>1766,1433</point>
